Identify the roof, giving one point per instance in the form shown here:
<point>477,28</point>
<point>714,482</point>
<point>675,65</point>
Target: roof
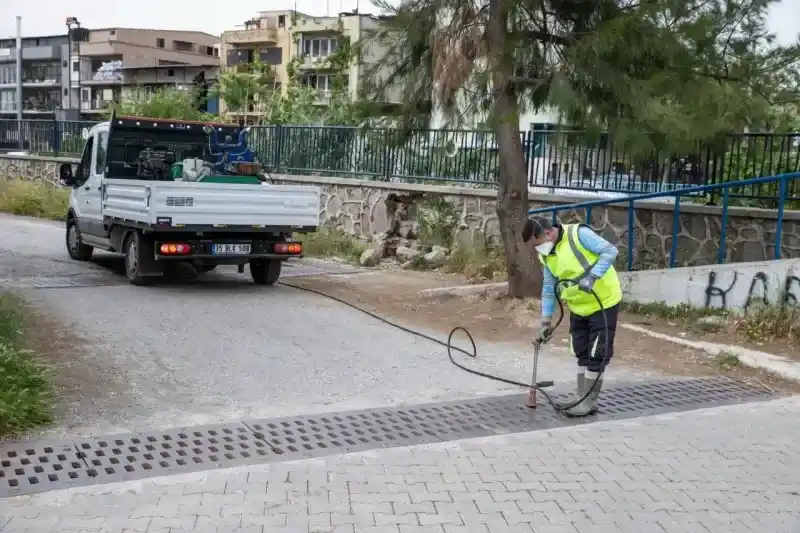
<point>167,67</point>
<point>154,29</point>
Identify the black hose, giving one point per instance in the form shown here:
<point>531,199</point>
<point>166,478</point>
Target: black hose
<point>450,348</point>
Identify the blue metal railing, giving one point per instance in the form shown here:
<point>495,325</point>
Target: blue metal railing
<point>783,182</point>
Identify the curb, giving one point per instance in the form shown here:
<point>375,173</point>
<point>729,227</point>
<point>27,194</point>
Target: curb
<point>463,290</point>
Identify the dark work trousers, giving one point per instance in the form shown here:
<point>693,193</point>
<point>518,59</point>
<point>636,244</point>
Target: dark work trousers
<point>589,339</point>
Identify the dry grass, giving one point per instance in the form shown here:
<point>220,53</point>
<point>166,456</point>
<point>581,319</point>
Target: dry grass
<point>33,200</point>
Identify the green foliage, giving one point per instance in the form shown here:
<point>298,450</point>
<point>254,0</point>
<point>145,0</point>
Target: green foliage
<point>333,243</point>
<point>26,390</point>
<point>33,200</point>
<point>438,219</point>
<point>168,103</point>
<point>661,74</point>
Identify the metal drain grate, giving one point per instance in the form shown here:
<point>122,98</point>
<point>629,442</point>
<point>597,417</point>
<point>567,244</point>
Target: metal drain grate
<point>37,467</point>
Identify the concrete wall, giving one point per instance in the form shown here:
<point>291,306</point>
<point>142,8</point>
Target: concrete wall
<point>732,286</point>
<point>364,209</point>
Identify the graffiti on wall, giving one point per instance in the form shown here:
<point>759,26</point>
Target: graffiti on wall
<point>759,292</point>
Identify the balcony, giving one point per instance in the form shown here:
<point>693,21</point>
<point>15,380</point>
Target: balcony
<point>33,77</point>
<point>255,35</point>
<point>98,106</point>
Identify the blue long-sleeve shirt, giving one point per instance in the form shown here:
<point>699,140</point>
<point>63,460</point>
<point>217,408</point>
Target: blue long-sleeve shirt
<point>607,254</point>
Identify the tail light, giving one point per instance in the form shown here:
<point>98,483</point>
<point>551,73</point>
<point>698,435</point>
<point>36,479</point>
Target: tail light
<point>175,248</point>
<point>288,248</point>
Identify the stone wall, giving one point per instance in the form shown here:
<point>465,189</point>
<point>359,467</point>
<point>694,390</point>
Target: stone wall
<point>366,209</point>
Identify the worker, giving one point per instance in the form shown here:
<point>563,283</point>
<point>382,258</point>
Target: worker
<point>575,252</point>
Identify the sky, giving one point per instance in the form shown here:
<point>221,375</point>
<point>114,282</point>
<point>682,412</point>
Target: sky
<point>46,17</point>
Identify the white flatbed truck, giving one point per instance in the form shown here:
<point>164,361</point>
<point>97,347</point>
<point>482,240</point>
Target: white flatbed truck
<point>132,195</point>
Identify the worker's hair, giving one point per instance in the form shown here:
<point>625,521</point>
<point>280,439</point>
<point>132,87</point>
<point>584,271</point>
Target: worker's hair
<point>534,228</point>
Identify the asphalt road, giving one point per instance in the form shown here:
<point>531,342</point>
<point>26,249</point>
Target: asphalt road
<point>218,349</point>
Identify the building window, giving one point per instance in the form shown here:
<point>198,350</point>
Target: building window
<point>85,95</point>
<point>76,66</point>
<point>64,64</point>
<point>160,42</point>
<point>112,32</point>
<point>209,50</point>
<point>322,82</point>
<point>66,92</point>
<point>319,47</point>
<point>8,74</point>
<point>281,21</point>
<point>170,72</point>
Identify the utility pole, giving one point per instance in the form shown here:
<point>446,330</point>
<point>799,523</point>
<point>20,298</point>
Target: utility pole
<point>19,81</point>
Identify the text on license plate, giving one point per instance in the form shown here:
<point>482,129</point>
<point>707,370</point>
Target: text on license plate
<point>230,249</point>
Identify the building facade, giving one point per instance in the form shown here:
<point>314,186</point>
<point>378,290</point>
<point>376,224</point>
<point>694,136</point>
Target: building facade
<point>44,65</point>
<point>116,61</point>
<point>83,78</point>
<point>279,38</point>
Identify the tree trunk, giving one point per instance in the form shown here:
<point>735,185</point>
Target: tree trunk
<point>524,269</point>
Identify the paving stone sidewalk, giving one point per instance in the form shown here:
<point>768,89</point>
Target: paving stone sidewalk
<point>725,469</point>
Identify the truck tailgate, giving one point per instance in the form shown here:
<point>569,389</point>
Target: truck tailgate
<point>207,204</point>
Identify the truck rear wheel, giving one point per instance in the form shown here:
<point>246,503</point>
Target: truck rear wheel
<point>75,247</point>
<point>132,259</point>
<point>265,271</point>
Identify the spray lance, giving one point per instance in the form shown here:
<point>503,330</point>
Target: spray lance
<point>535,386</point>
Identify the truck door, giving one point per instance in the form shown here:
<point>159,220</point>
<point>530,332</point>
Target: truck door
<point>92,189</point>
<point>81,202</point>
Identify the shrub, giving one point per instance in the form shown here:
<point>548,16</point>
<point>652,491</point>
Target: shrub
<point>34,200</point>
<point>26,389</point>
<point>332,243</point>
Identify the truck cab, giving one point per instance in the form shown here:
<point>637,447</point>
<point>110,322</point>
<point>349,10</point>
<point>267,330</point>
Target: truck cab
<point>162,191</point>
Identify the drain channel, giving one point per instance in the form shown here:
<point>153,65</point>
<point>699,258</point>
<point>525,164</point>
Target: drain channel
<point>31,467</point>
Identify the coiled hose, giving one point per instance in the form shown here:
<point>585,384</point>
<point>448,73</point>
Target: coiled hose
<point>448,344</point>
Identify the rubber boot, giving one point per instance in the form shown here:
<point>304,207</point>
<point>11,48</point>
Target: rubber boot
<point>581,386</point>
<point>589,405</point>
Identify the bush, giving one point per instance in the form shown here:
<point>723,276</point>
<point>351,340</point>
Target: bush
<point>332,243</point>
<point>26,389</point>
<point>34,200</point>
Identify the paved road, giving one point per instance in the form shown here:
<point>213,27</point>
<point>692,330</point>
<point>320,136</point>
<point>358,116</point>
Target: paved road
<point>222,350</point>
<point>722,470</point>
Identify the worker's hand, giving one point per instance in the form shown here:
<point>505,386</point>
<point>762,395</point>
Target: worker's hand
<point>587,283</point>
<point>543,336</point>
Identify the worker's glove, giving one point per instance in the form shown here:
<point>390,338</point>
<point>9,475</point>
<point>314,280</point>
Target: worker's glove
<point>586,283</point>
<point>543,336</point>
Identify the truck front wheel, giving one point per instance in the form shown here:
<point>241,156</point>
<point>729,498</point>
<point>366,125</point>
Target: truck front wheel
<point>75,247</point>
<point>265,271</point>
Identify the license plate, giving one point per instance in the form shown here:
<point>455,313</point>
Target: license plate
<point>230,249</point>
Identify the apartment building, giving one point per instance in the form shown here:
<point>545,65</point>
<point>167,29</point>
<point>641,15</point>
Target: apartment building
<point>81,76</point>
<point>116,61</point>
<point>44,62</point>
<point>280,37</point>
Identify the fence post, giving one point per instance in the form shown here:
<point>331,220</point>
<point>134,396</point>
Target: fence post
<point>387,163</point>
<point>56,141</point>
<point>277,148</point>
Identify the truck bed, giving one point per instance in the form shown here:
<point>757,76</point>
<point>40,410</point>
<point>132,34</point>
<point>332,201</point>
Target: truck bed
<point>193,204</point>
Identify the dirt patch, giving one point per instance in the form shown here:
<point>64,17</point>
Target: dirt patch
<point>494,317</point>
<point>728,333</point>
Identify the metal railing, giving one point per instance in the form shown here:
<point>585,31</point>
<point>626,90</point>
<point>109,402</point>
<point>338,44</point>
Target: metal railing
<point>557,161</point>
<point>783,183</point>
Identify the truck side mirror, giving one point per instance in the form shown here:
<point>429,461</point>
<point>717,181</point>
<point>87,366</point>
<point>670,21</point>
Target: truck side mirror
<point>65,174</point>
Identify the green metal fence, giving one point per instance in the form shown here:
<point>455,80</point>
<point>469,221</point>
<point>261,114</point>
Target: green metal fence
<point>556,159</point>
